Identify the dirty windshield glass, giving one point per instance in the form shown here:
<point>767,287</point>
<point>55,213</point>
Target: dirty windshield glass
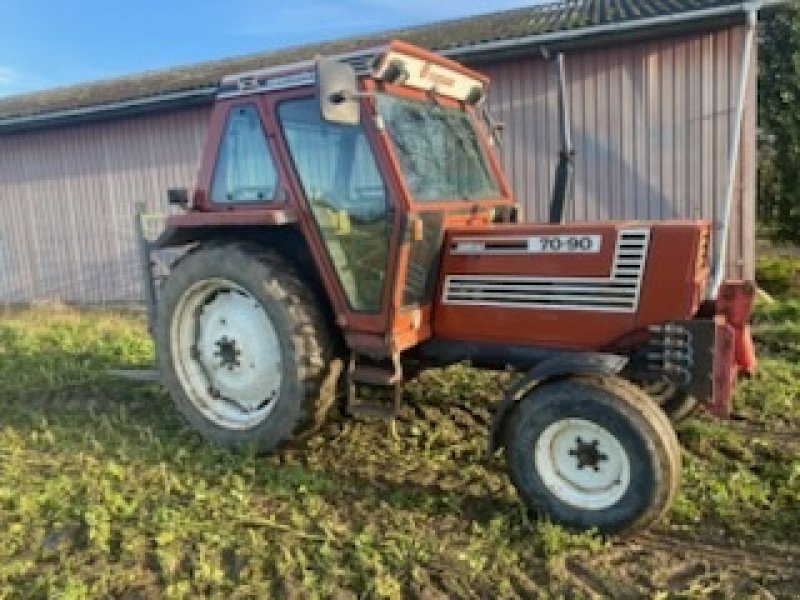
<point>438,150</point>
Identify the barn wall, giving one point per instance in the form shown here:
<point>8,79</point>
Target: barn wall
<point>651,126</point>
<point>67,200</point>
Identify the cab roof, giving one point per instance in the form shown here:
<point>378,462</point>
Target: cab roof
<point>421,69</point>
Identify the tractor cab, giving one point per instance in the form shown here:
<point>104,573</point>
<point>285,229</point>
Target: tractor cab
<point>374,155</point>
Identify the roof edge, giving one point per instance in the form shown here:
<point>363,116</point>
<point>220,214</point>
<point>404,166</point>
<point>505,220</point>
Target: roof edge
<point>481,50</point>
<point>121,108</point>
<point>561,38</point>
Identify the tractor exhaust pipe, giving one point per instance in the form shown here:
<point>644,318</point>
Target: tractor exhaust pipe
<point>723,217</point>
<point>562,190</point>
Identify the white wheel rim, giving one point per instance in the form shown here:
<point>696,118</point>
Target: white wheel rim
<point>582,464</point>
<point>226,353</point>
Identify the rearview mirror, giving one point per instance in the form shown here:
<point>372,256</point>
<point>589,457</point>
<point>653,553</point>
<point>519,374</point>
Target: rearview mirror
<point>178,196</point>
<point>337,90</point>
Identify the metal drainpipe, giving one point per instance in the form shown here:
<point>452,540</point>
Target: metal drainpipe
<point>565,171</point>
<point>722,224</point>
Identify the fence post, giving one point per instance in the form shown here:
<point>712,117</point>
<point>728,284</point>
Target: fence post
<point>146,266</point>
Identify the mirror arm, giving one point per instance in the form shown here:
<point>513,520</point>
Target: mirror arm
<point>339,97</point>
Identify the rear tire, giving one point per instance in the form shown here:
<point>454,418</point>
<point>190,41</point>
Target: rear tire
<point>242,347</point>
<point>593,452</point>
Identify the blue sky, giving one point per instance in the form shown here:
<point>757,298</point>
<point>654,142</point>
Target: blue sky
<point>49,43</point>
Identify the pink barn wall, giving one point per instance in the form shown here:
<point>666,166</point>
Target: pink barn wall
<point>651,124</point>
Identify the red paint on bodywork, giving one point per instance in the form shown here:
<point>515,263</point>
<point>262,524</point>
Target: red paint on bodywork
<point>745,350</point>
<point>735,302</point>
<point>734,352</point>
<point>232,217</point>
<point>676,274</point>
<point>671,286</point>
<point>724,375</point>
<point>673,281</point>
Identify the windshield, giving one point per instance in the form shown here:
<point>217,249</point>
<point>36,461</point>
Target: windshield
<point>438,149</point>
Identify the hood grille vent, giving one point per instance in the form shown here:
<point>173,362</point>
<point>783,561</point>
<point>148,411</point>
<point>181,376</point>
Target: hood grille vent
<point>617,293</point>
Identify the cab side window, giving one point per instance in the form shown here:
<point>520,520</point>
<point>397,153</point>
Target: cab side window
<point>245,171</point>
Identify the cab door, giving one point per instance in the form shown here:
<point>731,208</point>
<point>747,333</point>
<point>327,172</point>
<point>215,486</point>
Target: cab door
<point>350,216</point>
<point>447,177</point>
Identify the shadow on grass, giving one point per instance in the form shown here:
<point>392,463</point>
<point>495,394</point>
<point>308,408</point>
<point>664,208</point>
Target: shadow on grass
<point>137,423</point>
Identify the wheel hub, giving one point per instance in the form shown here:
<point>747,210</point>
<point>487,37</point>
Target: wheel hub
<point>228,353</point>
<point>582,463</point>
<point>587,454</point>
<point>239,349</point>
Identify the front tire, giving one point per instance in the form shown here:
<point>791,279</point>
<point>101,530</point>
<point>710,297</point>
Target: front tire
<point>678,404</point>
<point>242,346</point>
<point>593,452</point>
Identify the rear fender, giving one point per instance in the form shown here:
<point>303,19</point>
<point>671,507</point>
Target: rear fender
<point>287,240</point>
<point>556,367</point>
<point>183,235</point>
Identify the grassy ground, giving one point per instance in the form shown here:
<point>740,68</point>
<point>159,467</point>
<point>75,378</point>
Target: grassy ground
<point>105,493</point>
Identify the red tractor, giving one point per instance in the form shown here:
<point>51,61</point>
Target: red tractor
<point>352,225</point>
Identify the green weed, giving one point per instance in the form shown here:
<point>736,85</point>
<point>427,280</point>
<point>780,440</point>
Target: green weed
<point>777,274</point>
<point>104,492</point>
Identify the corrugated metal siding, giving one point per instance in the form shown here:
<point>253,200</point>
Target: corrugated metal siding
<point>67,199</point>
<point>651,126</point>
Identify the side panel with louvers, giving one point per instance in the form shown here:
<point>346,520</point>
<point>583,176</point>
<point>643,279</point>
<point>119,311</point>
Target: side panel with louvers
<point>617,292</point>
<point>577,285</point>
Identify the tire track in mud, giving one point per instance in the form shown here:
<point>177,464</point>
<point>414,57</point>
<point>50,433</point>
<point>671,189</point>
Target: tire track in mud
<point>756,429</point>
<point>778,559</point>
<point>596,584</point>
<point>655,561</point>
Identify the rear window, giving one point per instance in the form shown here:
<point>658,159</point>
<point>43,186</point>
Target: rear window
<point>245,171</point>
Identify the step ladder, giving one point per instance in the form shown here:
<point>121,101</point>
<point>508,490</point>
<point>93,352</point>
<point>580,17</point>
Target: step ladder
<point>364,372</point>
